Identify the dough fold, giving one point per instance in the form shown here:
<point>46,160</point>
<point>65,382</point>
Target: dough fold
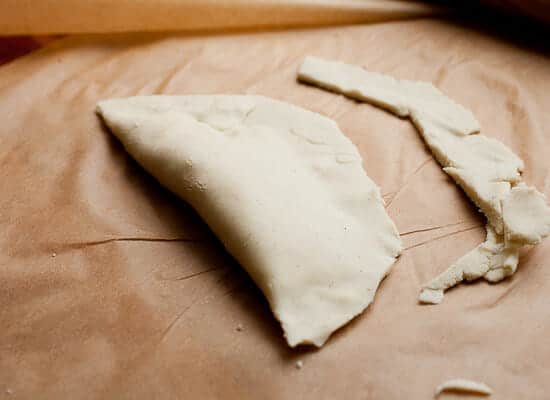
<point>282,188</point>
<point>487,170</point>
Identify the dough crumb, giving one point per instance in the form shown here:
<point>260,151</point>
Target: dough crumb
<point>9,391</point>
<point>239,328</point>
<point>299,364</point>
<point>54,255</point>
<point>464,385</point>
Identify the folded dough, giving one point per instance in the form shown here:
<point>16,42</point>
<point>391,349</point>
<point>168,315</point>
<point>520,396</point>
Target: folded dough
<point>281,187</point>
<point>488,171</point>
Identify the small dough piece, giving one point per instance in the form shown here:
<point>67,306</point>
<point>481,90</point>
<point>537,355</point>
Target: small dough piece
<point>487,170</point>
<point>464,385</point>
<point>281,187</point>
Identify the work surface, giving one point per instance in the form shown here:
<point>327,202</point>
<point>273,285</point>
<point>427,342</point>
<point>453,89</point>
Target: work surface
<point>113,288</point>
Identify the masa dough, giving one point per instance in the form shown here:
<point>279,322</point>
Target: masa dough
<point>464,385</point>
<point>492,260</point>
<point>282,188</point>
<point>488,171</point>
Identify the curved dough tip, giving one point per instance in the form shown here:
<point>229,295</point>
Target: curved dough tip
<point>464,385</point>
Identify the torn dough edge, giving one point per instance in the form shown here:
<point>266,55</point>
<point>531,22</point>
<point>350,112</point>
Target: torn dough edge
<point>394,95</point>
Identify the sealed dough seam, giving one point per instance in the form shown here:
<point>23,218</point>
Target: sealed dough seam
<point>282,188</point>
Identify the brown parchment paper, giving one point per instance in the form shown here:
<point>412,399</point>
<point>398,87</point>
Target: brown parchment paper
<point>24,17</point>
<point>111,288</point>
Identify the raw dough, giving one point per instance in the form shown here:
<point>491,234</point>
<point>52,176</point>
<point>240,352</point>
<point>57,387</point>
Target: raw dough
<point>492,260</point>
<point>486,169</point>
<point>464,385</point>
<point>281,187</point>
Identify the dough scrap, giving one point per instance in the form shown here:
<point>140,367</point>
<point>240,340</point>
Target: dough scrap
<point>282,188</point>
<point>464,385</point>
<point>487,170</point>
<point>492,260</point>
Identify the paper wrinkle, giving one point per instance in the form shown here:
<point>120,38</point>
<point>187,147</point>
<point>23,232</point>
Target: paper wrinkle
<point>431,228</point>
<point>189,276</point>
<point>79,245</point>
<point>442,237</point>
<point>408,180</point>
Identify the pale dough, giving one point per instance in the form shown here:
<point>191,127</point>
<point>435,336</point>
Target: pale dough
<point>464,385</point>
<point>282,188</point>
<point>492,260</point>
<point>488,171</point>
